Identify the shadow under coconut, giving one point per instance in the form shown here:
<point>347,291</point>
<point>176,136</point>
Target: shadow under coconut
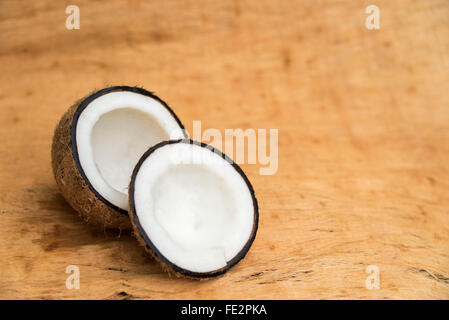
<point>60,220</point>
<point>61,228</point>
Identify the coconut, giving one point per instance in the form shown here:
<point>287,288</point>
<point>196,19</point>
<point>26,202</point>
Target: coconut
<point>192,208</point>
<point>97,143</point>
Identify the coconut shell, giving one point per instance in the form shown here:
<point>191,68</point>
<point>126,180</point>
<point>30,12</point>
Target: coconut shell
<point>149,247</point>
<point>75,188</point>
<point>69,175</point>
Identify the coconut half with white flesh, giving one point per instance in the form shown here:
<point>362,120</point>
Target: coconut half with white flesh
<point>192,208</point>
<point>98,142</point>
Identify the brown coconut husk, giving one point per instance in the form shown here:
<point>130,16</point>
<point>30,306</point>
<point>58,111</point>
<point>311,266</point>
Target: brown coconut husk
<point>73,186</point>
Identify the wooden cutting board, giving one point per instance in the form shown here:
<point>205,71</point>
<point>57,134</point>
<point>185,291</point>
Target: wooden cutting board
<point>363,119</point>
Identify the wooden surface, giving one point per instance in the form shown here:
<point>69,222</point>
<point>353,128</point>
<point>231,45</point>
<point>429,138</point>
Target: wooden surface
<point>363,119</point>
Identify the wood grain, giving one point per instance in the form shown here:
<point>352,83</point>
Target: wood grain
<point>363,119</point>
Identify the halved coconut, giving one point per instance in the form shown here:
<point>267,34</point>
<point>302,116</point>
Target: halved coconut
<point>98,142</point>
<point>192,208</point>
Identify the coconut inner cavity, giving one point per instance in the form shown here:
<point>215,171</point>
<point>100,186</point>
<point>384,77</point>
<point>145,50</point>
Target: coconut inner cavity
<point>119,138</point>
<point>194,206</point>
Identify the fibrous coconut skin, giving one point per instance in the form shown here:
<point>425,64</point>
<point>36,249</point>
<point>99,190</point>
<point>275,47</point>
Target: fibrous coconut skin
<point>70,178</point>
<point>145,241</point>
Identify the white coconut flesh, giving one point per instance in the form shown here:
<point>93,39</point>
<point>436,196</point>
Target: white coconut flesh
<point>198,214</point>
<point>113,132</point>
